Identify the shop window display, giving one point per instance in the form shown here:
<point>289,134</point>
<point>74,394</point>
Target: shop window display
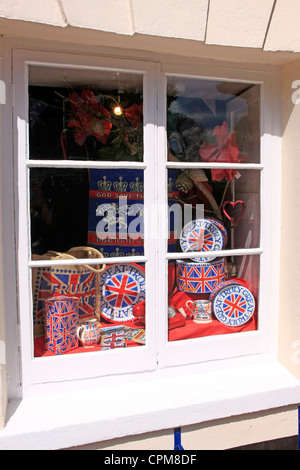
<point>214,122</point>
<point>80,212</point>
<point>86,212</point>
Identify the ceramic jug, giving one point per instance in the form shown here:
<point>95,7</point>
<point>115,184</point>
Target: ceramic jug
<point>89,333</point>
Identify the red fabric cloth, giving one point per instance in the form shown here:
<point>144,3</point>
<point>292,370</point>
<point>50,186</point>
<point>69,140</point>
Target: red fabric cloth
<point>180,328</point>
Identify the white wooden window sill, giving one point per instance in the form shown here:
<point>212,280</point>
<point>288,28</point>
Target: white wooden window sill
<point>161,400</point>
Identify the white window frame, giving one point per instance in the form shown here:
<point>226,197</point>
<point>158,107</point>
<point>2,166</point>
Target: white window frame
<point>158,354</point>
<point>55,415</point>
<point>77,366</point>
<point>247,343</point>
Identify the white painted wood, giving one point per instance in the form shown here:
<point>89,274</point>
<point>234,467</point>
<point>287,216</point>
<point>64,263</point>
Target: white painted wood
<point>47,13</point>
<point>283,33</point>
<point>114,16</point>
<point>170,18</point>
<point>214,347</point>
<point>155,165</point>
<point>236,23</point>
<point>79,366</point>
<point>173,398</point>
<point>195,254</point>
<point>89,261</point>
<point>165,397</point>
<point>84,164</point>
<point>236,166</point>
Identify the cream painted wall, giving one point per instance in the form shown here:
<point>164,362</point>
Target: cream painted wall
<point>3,385</point>
<point>216,435</point>
<point>289,321</point>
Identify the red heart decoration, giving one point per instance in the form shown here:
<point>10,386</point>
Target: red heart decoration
<point>234,221</point>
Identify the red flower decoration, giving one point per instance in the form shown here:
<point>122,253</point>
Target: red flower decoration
<point>225,151</point>
<point>89,117</point>
<point>134,114</point>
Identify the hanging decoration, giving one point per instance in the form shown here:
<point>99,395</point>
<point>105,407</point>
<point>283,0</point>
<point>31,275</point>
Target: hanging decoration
<point>226,151</point>
<point>239,204</point>
<point>121,127</point>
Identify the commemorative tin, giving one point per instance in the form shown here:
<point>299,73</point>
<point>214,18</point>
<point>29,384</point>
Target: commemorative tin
<point>203,235</point>
<point>61,324</point>
<point>199,277</point>
<point>233,303</point>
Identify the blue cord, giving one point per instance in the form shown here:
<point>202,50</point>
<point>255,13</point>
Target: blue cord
<point>298,427</point>
<point>177,439</point>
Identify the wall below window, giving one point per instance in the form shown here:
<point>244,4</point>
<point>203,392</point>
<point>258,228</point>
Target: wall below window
<point>217,435</point>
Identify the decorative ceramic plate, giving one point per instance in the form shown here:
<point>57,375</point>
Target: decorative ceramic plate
<point>221,227</point>
<point>122,285</point>
<point>233,305</point>
<point>203,235</point>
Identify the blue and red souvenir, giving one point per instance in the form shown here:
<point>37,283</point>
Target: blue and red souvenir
<point>61,324</point>
<point>53,281</point>
<point>122,285</point>
<point>116,209</point>
<point>233,303</point>
<point>199,277</point>
<point>203,235</point>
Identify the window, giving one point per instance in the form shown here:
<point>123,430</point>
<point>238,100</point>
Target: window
<point>142,191</point>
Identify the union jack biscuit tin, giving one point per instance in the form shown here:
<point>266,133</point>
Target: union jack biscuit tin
<point>233,303</point>
<point>203,235</point>
<point>61,324</point>
<point>106,345</point>
<point>199,277</point>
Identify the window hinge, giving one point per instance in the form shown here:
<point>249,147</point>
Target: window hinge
<point>12,95</point>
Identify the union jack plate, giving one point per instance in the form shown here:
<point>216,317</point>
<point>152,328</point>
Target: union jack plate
<point>203,235</point>
<point>233,305</point>
<point>122,286</point>
<point>199,277</point>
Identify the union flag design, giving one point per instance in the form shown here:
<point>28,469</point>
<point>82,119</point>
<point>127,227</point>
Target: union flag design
<point>55,281</point>
<point>234,305</point>
<point>121,290</point>
<point>201,240</point>
<point>199,278</point>
<point>61,324</point>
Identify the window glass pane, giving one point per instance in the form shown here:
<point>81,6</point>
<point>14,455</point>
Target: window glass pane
<point>206,214</point>
<point>213,121</point>
<point>85,114</point>
<point>95,208</point>
<point>78,309</point>
<point>212,298</point>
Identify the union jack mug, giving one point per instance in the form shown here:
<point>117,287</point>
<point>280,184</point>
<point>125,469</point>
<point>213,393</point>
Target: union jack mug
<point>201,310</point>
<point>89,333</point>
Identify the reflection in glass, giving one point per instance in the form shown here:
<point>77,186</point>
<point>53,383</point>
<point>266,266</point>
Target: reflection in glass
<point>213,121</point>
<point>212,298</point>
<point>88,308</point>
<point>102,209</point>
<point>85,115</point>
<point>214,215</point>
